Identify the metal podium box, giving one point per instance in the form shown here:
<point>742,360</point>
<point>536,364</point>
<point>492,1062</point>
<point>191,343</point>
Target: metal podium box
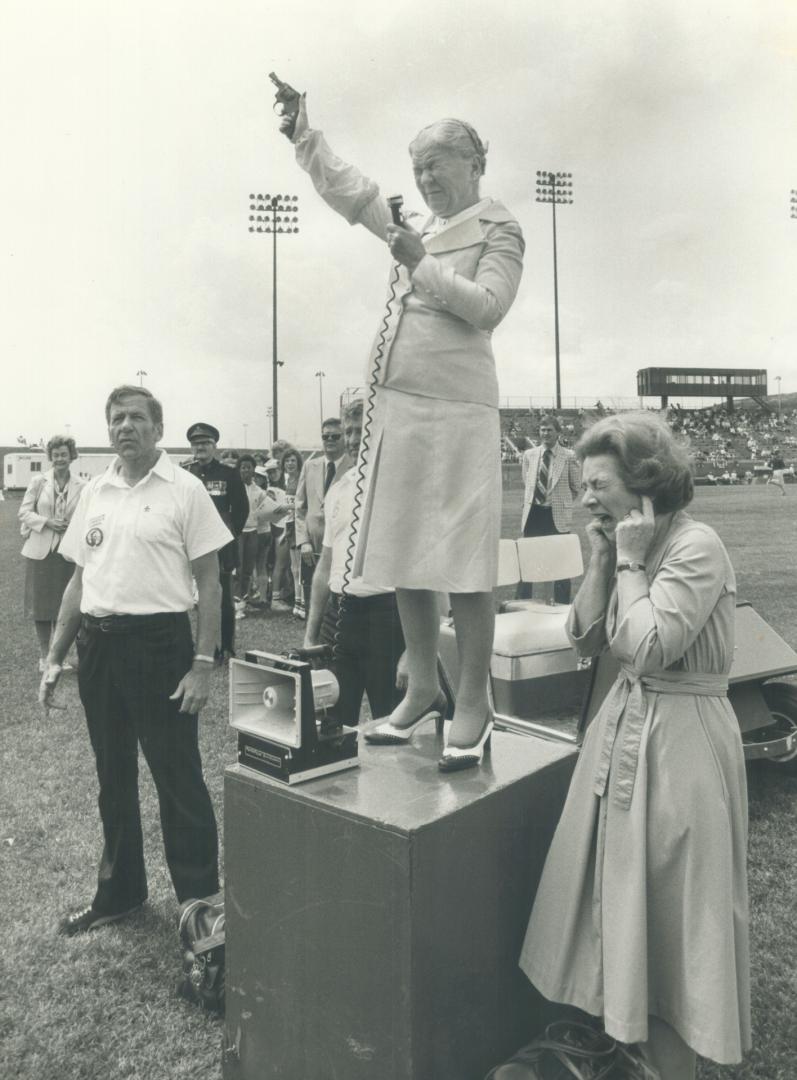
<point>374,918</point>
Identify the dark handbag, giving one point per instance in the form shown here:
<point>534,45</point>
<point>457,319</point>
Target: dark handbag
<point>201,933</point>
<point>573,1051</point>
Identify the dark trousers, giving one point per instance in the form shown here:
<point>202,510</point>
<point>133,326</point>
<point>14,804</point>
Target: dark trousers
<point>307,578</point>
<point>540,523</point>
<point>366,634</point>
<point>129,665</point>
<point>247,557</point>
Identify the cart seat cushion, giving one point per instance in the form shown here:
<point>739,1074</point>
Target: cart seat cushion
<point>520,633</point>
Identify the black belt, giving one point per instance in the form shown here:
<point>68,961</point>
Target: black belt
<point>131,624</point>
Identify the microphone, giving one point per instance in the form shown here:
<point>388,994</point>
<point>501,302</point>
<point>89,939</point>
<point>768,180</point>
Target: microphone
<point>395,202</point>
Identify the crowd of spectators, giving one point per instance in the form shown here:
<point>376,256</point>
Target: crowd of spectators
<point>726,446</point>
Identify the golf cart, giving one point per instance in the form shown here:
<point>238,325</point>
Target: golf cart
<point>540,687</point>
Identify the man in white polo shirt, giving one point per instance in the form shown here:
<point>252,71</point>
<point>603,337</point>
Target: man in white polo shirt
<point>361,622</point>
<point>140,532</point>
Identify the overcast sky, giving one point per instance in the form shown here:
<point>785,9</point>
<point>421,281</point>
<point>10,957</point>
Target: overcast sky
<point>132,134</point>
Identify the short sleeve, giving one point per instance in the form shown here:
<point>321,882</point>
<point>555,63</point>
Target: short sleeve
<point>203,529</point>
<point>73,544</point>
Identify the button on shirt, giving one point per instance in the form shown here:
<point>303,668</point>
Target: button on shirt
<point>338,513</point>
<point>136,544</point>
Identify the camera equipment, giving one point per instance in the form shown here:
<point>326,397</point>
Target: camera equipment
<point>279,707</point>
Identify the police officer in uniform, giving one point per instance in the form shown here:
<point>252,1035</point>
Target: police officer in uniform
<point>226,488</point>
<point>139,534</point>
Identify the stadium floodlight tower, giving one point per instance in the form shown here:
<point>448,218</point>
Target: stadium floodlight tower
<point>555,188</point>
<point>274,214</point>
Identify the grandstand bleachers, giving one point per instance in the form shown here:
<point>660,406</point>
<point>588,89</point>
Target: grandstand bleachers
<point>720,441</point>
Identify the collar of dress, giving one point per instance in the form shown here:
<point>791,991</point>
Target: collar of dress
<point>464,228</point>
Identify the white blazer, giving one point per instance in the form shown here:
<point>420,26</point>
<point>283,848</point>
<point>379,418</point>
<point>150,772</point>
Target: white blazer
<point>38,504</point>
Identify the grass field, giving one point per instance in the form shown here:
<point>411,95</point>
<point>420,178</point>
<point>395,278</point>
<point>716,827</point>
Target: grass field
<point>102,1007</point>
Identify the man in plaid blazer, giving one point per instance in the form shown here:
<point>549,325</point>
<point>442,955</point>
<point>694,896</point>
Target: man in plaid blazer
<point>552,480</point>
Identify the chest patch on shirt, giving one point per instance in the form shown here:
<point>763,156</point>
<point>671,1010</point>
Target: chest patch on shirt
<point>94,537</point>
<point>216,487</point>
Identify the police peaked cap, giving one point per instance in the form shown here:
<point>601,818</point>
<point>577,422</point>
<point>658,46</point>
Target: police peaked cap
<point>201,430</point>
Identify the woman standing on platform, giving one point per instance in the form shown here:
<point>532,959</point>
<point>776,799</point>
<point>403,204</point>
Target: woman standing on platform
<point>641,916</point>
<point>431,511</point>
<point>46,510</point>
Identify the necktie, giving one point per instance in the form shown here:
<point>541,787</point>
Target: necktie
<point>541,488</point>
<point>329,475</point>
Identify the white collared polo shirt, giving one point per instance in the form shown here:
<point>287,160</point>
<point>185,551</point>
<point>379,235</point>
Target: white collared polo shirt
<point>136,544</point>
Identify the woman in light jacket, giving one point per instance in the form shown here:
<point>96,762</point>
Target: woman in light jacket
<point>46,510</point>
<point>430,455</point>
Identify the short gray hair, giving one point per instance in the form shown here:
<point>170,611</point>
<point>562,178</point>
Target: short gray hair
<point>458,136</point>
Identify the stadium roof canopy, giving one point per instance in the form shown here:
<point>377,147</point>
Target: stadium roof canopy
<point>729,383</point>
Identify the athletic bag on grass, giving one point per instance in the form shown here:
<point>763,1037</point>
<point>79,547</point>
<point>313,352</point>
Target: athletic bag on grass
<point>201,932</point>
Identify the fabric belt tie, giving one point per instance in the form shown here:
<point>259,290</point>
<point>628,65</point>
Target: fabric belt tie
<point>628,699</point>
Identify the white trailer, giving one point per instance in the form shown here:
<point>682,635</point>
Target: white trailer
<point>20,468</point>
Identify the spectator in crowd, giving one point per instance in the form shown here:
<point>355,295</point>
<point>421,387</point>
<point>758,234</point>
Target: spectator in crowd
<point>641,915</point>
<point>268,527</point>
<point>362,622</point>
<point>226,489</point>
<point>552,481</point>
<point>278,448</point>
<point>287,575</point>
<point>140,532</point>
<point>248,540</point>
<point>46,510</point>
<point>260,469</point>
<point>777,464</point>
<point>230,457</point>
<point>318,474</point>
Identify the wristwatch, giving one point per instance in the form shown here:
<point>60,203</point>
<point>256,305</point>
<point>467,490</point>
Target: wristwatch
<point>630,566</point>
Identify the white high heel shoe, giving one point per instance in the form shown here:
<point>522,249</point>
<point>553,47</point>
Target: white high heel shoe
<point>465,757</point>
<point>388,734</point>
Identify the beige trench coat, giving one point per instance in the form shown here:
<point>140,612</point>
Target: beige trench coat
<point>642,907</point>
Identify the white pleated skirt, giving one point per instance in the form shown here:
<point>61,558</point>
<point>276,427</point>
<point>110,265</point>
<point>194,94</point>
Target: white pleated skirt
<point>431,506</point>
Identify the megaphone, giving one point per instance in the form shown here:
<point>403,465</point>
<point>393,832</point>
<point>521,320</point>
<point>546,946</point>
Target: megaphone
<point>279,707</point>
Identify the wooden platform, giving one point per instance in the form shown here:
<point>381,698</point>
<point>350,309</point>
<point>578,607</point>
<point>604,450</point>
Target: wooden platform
<point>375,917</point>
